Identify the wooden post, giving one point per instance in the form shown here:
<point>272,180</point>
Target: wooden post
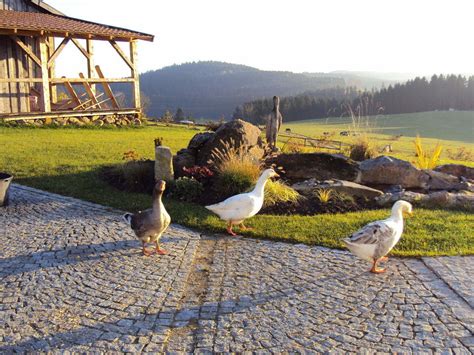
<point>135,76</point>
<point>45,73</point>
<point>52,70</point>
<point>90,63</point>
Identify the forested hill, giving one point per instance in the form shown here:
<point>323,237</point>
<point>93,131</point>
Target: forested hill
<point>417,95</point>
<point>213,89</point>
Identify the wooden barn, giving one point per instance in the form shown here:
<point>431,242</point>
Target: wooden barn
<point>32,36</point>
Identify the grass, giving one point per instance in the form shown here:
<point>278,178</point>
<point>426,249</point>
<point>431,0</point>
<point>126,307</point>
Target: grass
<point>67,161</point>
<point>424,159</point>
<point>452,130</point>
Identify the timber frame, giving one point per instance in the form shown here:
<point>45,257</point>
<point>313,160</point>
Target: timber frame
<point>39,49</point>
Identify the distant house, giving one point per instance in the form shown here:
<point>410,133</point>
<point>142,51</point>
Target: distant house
<point>32,36</point>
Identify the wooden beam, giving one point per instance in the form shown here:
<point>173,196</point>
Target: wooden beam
<point>80,47</point>
<point>45,73</point>
<point>52,69</point>
<point>21,80</point>
<point>72,93</point>
<point>93,80</point>
<point>27,50</point>
<point>90,63</point>
<point>86,102</point>
<point>58,50</point>
<point>89,91</point>
<point>122,54</point>
<point>107,88</point>
<point>135,75</point>
<point>26,116</point>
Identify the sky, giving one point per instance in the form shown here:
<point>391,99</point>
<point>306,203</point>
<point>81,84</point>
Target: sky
<point>398,36</point>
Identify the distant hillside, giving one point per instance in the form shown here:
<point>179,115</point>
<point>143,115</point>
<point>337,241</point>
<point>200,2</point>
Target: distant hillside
<point>213,89</point>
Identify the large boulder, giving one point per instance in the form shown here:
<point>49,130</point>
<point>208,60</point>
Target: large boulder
<point>441,181</point>
<point>236,134</point>
<point>346,187</point>
<point>457,170</point>
<point>185,158</point>
<point>386,170</point>
<point>199,140</point>
<point>319,166</point>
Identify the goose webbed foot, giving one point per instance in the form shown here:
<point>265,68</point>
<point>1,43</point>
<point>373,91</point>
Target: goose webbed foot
<point>229,229</point>
<point>160,251</point>
<point>245,228</point>
<point>375,269</point>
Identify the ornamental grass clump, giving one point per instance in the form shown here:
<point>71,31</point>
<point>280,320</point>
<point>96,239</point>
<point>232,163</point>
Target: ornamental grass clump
<point>277,191</point>
<point>425,159</point>
<point>237,171</point>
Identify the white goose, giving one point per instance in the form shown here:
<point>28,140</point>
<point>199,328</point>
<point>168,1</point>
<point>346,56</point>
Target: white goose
<point>376,239</point>
<point>236,209</point>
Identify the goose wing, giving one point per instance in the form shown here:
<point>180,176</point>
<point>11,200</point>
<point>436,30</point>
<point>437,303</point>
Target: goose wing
<point>376,233</point>
<point>233,203</point>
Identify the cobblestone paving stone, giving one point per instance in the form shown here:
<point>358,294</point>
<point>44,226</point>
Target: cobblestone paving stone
<point>73,278</point>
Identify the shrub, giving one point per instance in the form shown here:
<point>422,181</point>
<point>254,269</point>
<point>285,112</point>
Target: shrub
<point>291,147</point>
<point>424,159</point>
<point>462,153</point>
<point>186,189</point>
<point>277,191</point>
<point>199,173</point>
<point>362,149</point>
<point>324,195</point>
<point>130,155</point>
<point>133,175</point>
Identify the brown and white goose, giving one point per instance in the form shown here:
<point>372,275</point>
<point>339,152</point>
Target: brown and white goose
<point>150,225</point>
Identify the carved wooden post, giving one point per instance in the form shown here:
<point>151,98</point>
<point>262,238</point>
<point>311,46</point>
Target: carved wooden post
<point>135,76</point>
<point>45,73</point>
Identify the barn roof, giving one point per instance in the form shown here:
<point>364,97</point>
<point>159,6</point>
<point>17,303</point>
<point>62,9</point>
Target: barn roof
<point>35,23</point>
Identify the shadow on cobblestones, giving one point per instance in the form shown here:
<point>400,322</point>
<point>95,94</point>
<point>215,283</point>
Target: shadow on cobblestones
<point>67,256</point>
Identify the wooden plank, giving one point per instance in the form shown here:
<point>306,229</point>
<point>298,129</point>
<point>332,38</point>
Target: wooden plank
<point>3,74</point>
<point>12,87</point>
<point>21,80</point>
<point>107,88</point>
<point>45,74</point>
<point>89,91</point>
<point>26,49</point>
<point>86,102</point>
<point>22,116</point>
<point>93,80</point>
<point>80,47</point>
<point>57,51</point>
<point>119,50</point>
<point>23,87</point>
<point>135,75</point>
<point>72,93</point>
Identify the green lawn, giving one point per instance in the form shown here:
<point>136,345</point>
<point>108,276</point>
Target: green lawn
<point>67,161</point>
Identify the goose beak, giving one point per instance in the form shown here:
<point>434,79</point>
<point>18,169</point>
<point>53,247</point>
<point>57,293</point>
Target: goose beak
<point>410,213</point>
<point>276,175</point>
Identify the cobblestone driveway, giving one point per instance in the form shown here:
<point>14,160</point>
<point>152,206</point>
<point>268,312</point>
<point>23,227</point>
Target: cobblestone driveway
<point>73,278</point>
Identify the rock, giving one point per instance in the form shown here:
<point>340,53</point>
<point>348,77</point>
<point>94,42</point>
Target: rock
<point>98,123</point>
<point>184,158</point>
<point>456,170</point>
<point>73,120</point>
<point>137,122</point>
<point>163,164</point>
<point>388,199</point>
<point>236,133</point>
<point>109,119</point>
<point>95,118</point>
<point>198,141</point>
<point>347,187</point>
<point>441,181</point>
<point>438,199</point>
<point>320,166</point>
<point>386,170</point>
<point>85,120</point>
